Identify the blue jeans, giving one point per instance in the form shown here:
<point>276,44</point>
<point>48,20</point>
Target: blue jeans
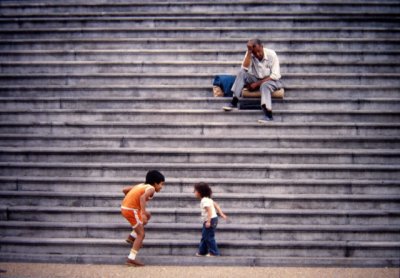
<point>208,243</point>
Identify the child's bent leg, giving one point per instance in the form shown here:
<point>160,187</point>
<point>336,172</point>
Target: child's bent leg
<point>139,237</point>
<point>139,229</point>
<point>131,238</point>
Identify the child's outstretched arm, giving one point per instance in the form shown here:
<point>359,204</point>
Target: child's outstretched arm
<point>217,207</point>
<point>127,189</point>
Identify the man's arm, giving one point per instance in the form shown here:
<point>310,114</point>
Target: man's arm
<point>256,85</point>
<point>276,69</point>
<point>247,58</point>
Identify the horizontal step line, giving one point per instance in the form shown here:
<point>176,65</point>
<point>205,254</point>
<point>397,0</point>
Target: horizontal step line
<point>203,124</point>
<point>192,99</point>
<point>199,75</point>
<point>159,243</point>
<point>326,167</point>
<point>210,112</point>
<point>245,182</point>
<point>197,40</point>
<point>194,151</point>
<point>221,17</point>
<point>257,211</point>
<point>194,29</point>
<point>208,87</point>
<point>223,227</point>
<point>189,63</point>
<point>217,196</point>
<point>189,3</point>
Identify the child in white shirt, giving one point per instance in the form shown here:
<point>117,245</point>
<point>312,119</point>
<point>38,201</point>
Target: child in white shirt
<point>208,245</point>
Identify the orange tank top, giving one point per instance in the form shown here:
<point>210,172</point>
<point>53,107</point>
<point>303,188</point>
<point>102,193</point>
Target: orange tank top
<point>132,199</point>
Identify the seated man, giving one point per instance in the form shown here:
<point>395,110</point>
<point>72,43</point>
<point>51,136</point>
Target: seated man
<point>260,70</point>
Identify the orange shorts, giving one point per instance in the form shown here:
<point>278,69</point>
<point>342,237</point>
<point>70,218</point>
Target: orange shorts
<point>134,216</point>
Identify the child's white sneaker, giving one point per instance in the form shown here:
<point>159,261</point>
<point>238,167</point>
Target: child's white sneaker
<point>200,255</point>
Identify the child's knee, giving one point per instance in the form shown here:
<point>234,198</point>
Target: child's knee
<point>140,231</point>
<point>141,236</point>
<point>148,214</point>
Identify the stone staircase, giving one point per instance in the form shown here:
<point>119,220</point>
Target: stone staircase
<point>94,94</point>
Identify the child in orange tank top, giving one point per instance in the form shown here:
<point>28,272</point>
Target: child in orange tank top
<point>133,208</point>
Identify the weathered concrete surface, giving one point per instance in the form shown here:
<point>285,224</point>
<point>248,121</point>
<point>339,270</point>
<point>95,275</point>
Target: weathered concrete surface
<point>115,271</point>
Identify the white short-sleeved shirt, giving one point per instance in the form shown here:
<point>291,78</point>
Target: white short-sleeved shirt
<point>267,67</point>
<point>204,203</point>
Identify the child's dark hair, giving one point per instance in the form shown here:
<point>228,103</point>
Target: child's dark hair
<point>154,176</point>
<point>204,189</point>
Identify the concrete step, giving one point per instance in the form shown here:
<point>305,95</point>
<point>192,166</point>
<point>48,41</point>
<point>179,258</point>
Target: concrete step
<point>185,185</point>
<point>125,79</point>
<point>315,217</point>
<point>157,231</point>
<point>171,141</point>
<point>250,261</point>
<point>211,67</point>
<point>201,155</point>
<point>187,200</point>
<point>278,20</point>
<point>194,104</point>
<point>186,91</point>
<point>257,248</point>
<point>195,116</point>
<point>193,8</point>
<point>195,32</point>
<point>128,60</point>
<point>188,67</point>
<point>305,43</point>
<point>209,170</point>
<point>201,129</point>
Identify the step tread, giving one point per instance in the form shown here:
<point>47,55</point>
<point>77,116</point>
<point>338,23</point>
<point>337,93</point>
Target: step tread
<point>243,182</point>
<point>211,111</point>
<point>208,87</point>
<point>249,261</point>
<point>177,51</point>
<point>203,137</point>
<point>220,16</point>
<point>204,165</point>
<point>394,126</point>
<point>218,196</point>
<point>171,75</point>
<point>182,242</point>
<point>194,150</point>
<point>221,226</point>
<point>194,29</point>
<point>193,99</point>
<point>69,3</point>
<point>255,211</point>
<point>203,39</point>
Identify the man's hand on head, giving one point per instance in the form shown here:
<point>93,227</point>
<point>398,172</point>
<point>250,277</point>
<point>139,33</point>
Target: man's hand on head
<point>250,46</point>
